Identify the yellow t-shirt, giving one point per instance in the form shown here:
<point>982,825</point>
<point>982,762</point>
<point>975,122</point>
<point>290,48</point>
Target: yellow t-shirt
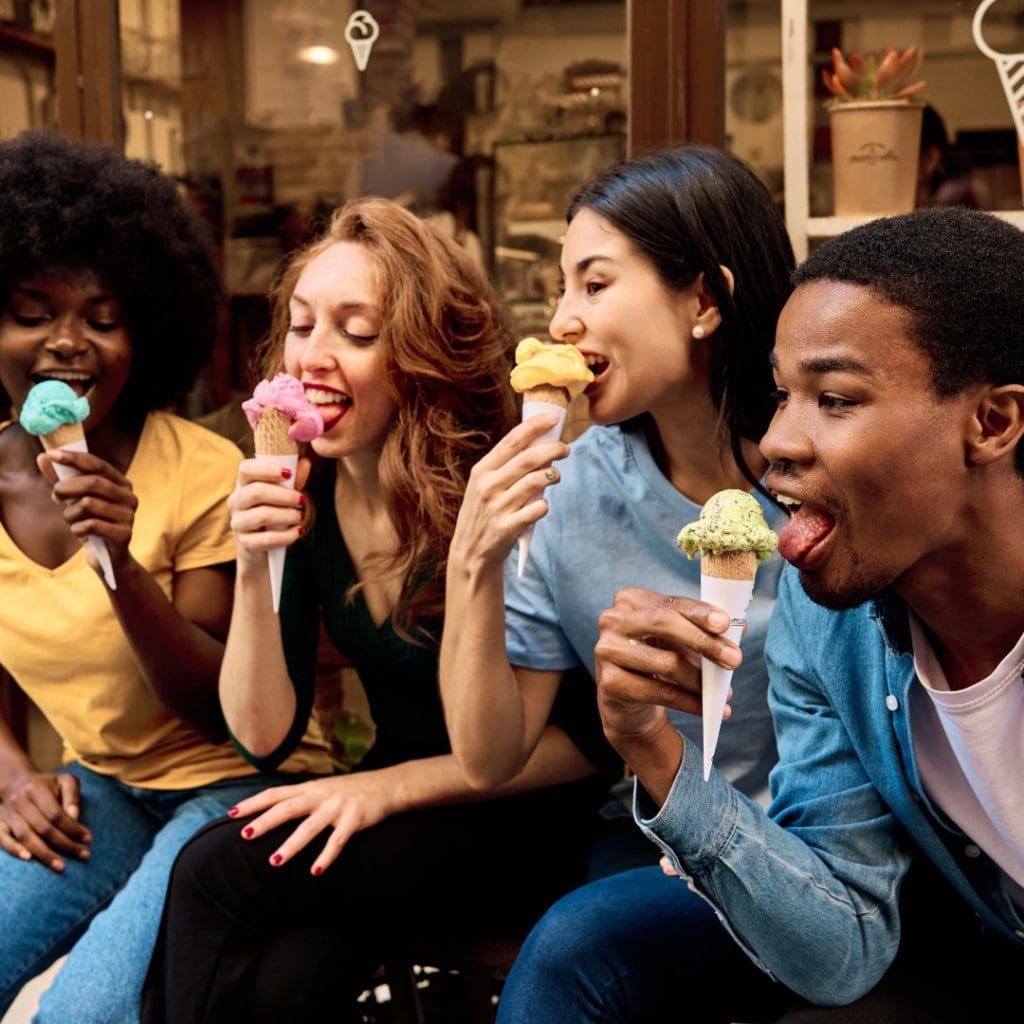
<point>60,639</point>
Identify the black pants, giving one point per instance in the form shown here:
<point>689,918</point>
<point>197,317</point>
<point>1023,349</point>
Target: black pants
<point>243,941</point>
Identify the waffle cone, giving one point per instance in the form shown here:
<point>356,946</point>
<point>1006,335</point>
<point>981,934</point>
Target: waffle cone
<point>547,393</point>
<point>271,434</point>
<point>730,565</point>
<point>66,434</point>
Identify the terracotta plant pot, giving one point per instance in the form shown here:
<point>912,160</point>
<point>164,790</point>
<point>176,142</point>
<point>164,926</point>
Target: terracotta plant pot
<point>875,149</point>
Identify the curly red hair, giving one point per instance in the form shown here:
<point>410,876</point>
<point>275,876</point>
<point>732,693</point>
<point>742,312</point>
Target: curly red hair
<point>447,350</point>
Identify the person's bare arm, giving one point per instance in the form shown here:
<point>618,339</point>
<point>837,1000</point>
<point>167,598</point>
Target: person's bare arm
<point>495,715</point>
<point>178,642</point>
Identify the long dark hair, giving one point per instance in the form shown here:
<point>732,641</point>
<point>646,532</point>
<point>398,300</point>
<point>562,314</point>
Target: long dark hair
<point>693,210</point>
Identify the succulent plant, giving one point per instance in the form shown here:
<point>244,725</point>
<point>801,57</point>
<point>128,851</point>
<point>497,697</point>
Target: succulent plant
<point>874,76</point>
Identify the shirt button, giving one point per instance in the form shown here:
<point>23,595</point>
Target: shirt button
<point>892,703</point>
<point>971,850</point>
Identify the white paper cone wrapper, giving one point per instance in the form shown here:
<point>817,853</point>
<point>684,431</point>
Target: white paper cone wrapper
<point>535,409</point>
<point>275,556</point>
<point>733,597</point>
<point>97,544</point>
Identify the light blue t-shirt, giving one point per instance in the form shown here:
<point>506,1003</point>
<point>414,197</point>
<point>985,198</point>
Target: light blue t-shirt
<point>612,523</point>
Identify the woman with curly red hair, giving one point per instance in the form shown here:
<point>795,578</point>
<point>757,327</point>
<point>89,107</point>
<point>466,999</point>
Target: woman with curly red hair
<point>284,912</point>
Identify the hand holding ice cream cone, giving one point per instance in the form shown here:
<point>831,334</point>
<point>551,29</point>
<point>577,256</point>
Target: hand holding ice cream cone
<point>731,537</point>
<point>55,413</point>
<point>549,377</point>
<point>282,419</point>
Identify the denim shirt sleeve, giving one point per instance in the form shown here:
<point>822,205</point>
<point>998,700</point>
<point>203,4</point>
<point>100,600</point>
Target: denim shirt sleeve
<point>810,890</point>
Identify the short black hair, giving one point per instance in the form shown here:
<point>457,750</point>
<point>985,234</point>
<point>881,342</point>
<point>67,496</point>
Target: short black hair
<point>957,273</point>
<point>69,207</point>
<point>959,276</point>
<point>692,210</point>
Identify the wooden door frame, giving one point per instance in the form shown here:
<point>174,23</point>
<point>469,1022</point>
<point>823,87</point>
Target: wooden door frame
<point>676,72</point>
<point>88,71</point>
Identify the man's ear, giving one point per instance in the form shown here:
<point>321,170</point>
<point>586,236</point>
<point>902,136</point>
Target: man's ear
<point>709,318</point>
<point>997,424</point>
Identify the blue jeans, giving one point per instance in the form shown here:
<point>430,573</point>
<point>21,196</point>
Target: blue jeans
<point>637,947</point>
<point>103,912</point>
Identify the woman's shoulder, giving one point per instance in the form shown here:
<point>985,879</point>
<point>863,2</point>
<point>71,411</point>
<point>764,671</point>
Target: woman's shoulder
<point>601,460</point>
<point>169,428</point>
<point>599,447</point>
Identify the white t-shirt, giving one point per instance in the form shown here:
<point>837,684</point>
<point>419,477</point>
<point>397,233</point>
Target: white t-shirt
<point>970,752</point>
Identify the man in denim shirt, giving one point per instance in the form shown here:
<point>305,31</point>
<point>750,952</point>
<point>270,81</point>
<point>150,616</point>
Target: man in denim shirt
<point>895,654</point>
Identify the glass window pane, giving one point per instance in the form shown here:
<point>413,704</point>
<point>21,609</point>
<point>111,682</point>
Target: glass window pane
<point>753,87</point>
<point>481,115</point>
<point>151,82</point>
<point>28,93</point>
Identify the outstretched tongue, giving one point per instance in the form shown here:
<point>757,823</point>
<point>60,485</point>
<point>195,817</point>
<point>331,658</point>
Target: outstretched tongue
<point>807,527</point>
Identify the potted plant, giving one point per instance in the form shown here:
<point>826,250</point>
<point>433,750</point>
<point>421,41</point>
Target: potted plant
<point>875,115</point>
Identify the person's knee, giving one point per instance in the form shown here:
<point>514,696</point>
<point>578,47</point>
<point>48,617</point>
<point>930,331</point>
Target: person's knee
<point>210,858</point>
<point>568,936</point>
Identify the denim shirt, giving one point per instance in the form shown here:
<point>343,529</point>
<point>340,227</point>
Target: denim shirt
<point>810,890</point>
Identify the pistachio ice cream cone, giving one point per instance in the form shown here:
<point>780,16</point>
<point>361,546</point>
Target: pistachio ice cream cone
<point>731,537</point>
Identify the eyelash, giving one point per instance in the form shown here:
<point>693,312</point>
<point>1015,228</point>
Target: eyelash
<point>359,339</point>
<point>594,287</point>
<point>834,402</point>
<point>825,401</point>
<point>32,322</point>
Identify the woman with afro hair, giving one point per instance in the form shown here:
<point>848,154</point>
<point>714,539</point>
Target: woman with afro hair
<point>108,283</point>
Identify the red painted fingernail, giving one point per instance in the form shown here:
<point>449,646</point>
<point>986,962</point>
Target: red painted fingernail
<point>276,859</point>
<point>302,499</point>
<point>302,530</point>
<point>247,831</point>
<point>232,812</point>
<point>318,870</point>
<point>285,472</point>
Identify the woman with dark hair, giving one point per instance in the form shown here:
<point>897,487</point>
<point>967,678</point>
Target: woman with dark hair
<point>675,266</point>
<point>107,283</point>
<point>284,913</point>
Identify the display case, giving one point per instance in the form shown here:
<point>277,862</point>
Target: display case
<point>534,181</point>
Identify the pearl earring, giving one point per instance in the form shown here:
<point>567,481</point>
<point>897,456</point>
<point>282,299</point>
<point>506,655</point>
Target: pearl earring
<point>698,332</point>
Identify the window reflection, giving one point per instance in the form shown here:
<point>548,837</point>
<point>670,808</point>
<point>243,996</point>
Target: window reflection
<point>481,116</point>
<point>28,97</point>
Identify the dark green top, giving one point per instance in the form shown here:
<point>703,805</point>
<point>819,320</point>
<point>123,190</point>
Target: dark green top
<point>400,678</point>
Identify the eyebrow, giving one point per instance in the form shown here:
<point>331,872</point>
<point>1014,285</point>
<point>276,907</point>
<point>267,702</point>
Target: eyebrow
<point>347,307</point>
<point>35,293</point>
<point>584,264</point>
<point>828,364</point>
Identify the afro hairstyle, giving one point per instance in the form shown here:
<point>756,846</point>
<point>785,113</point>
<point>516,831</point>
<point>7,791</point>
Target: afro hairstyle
<point>68,207</point>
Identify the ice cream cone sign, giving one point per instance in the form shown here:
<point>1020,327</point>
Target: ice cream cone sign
<point>1009,65</point>
<point>732,538</point>
<point>361,33</point>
